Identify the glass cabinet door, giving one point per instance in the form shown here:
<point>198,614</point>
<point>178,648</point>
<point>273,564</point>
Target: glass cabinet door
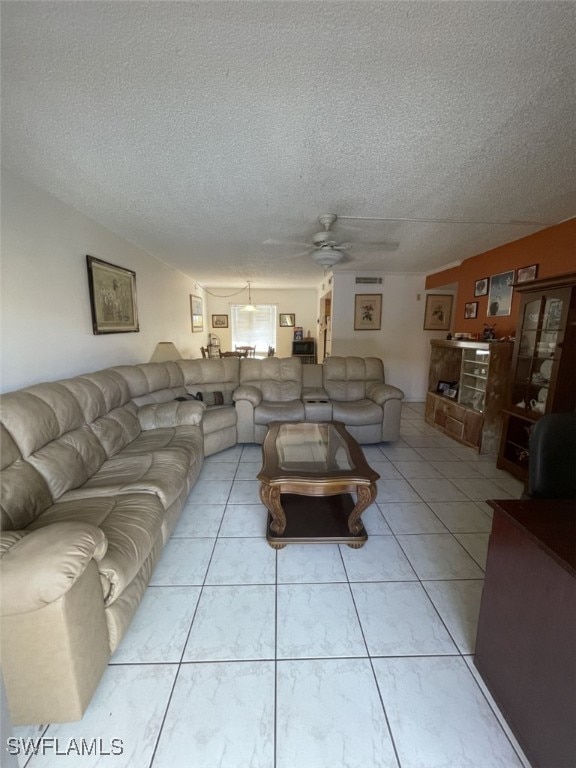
<point>473,378</point>
<point>540,334</point>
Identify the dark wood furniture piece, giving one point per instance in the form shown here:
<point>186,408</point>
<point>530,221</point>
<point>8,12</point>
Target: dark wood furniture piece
<point>246,350</point>
<point>526,642</point>
<point>543,376</point>
<point>309,471</point>
<point>481,370</point>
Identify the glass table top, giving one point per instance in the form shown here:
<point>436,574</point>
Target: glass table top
<point>312,448</point>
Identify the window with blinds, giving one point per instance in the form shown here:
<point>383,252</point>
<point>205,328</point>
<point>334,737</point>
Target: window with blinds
<point>254,328</point>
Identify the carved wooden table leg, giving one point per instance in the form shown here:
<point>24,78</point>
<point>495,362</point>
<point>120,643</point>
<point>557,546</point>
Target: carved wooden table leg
<point>365,495</point>
<point>270,495</point>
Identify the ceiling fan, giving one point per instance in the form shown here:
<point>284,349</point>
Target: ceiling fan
<point>326,248</point>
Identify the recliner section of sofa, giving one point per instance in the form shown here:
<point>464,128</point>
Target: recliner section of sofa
<point>347,389</point>
<point>81,452</point>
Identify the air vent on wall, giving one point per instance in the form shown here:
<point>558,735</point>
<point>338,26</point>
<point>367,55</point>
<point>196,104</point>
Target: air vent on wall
<point>369,280</point>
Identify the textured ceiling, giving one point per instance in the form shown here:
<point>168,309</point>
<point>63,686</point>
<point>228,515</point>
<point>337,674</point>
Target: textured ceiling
<point>201,130</point>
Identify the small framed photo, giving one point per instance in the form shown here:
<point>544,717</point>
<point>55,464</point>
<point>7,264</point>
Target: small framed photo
<point>197,313</point>
<point>524,274</point>
<point>287,320</point>
<point>471,310</point>
<point>443,386</point>
<point>438,312</point>
<point>481,287</point>
<point>112,297</point>
<point>451,393</point>
<point>367,312</point>
<point>219,321</point>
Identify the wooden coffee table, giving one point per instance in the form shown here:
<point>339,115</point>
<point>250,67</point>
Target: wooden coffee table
<point>309,471</point>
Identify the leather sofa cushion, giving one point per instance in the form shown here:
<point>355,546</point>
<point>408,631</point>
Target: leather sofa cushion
<point>279,379</point>
<point>357,413</point>
<point>163,473</point>
<point>184,438</point>
<point>37,415</point>
<point>130,522</point>
<point>23,491</point>
<point>150,377</point>
<point>219,417</point>
<point>210,375</point>
<point>69,461</point>
<point>267,412</point>
<point>349,378</point>
<point>118,428</point>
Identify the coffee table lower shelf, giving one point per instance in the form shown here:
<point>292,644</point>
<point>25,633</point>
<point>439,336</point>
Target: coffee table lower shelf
<point>314,519</point>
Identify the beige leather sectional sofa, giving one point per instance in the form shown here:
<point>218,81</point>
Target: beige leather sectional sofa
<point>94,474</point>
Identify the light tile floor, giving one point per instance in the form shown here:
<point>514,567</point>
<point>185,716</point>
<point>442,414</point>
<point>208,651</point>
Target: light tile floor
<point>317,656</point>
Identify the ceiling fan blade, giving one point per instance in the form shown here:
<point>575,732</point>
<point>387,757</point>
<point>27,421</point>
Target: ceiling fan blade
<point>298,255</point>
<point>349,226</point>
<point>386,245</point>
<point>293,243</point>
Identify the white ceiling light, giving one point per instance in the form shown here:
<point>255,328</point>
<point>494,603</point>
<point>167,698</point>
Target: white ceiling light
<point>249,307</point>
<point>327,257</point>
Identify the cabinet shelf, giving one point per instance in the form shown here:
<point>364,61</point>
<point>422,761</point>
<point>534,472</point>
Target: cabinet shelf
<point>545,339</point>
<point>475,418</point>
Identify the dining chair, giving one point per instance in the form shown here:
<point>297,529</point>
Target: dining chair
<point>246,350</point>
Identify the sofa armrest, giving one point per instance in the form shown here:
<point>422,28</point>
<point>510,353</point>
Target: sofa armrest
<point>381,393</point>
<point>40,566</point>
<point>174,413</point>
<point>248,392</point>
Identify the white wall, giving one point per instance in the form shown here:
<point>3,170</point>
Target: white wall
<point>401,342</point>
<point>45,320</point>
<point>301,302</point>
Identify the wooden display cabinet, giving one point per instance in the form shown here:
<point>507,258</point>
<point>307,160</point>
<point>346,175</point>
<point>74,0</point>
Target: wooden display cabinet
<point>480,369</point>
<point>543,378</point>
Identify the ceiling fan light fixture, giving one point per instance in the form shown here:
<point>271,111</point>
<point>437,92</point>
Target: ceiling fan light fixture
<point>327,257</point>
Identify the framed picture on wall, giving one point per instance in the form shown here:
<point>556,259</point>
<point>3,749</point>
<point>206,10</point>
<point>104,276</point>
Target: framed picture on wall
<point>524,274</point>
<point>500,295</point>
<point>481,286</point>
<point>471,310</point>
<point>219,321</point>
<point>287,320</point>
<point>197,313</point>
<point>367,311</point>
<point>112,297</point>
<point>438,312</point>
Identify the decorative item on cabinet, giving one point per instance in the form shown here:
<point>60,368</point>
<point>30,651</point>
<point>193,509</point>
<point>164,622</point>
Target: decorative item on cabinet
<point>477,373</point>
<point>543,376</point>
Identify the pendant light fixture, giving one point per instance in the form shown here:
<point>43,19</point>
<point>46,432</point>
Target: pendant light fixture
<point>249,307</point>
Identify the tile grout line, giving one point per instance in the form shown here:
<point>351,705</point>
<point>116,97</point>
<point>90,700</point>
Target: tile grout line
<point>180,663</point>
<point>374,677</point>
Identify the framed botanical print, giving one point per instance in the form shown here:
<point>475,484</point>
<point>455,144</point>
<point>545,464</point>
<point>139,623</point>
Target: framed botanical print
<point>438,312</point>
<point>112,297</point>
<point>367,311</point>
<point>197,313</point>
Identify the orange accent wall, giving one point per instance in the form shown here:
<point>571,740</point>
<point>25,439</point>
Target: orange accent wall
<point>552,249</point>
